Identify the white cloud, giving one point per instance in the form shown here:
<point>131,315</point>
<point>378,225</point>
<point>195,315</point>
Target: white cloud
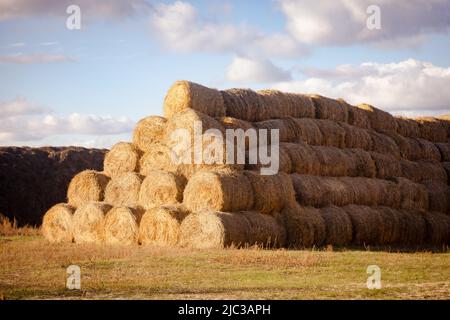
<point>180,28</point>
<point>407,87</point>
<point>246,70</point>
<point>24,121</point>
<point>403,22</point>
<point>35,58</point>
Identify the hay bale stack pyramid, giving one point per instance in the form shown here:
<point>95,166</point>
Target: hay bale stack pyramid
<point>348,175</point>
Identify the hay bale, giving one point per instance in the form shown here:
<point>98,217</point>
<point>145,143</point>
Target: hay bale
<point>362,163</point>
<point>358,117</point>
<point>189,95</point>
<point>437,228</point>
<point>121,225</point>
<point>413,227</point>
<point>302,105</point>
<point>123,190</point>
<point>274,104</point>
<point>432,129</point>
<point>213,229</point>
<point>446,166</point>
<point>414,148</point>
<point>305,226</point>
<point>444,149</point>
<point>330,109</point>
<point>288,129</point>
<point>303,158</point>
<point>308,131</point>
<point>413,196</point>
<point>160,225</point>
<point>271,193</point>
<point>161,187</point>
<point>284,160</point>
<point>243,104</point>
<point>384,144</point>
<point>385,166</point>
<point>334,162</point>
<point>218,190</point>
<point>88,222</point>
<point>57,224</point>
<point>379,119</point>
<point>423,170</point>
<point>391,225</point>
<point>407,127</point>
<point>338,226</point>
<point>355,137</point>
<point>157,157</point>
<point>86,186</point>
<point>366,224</point>
<point>123,157</point>
<point>148,131</point>
<point>333,134</point>
<point>438,196</point>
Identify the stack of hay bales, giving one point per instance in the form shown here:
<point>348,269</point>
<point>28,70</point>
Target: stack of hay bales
<point>347,175</point>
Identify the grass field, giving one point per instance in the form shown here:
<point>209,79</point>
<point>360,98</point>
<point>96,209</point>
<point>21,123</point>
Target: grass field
<point>31,268</point>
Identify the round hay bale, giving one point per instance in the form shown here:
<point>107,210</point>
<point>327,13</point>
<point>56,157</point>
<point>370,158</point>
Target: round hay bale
<point>338,226</point>
<point>123,157</point>
<point>160,226</point>
<point>366,224</point>
<point>274,104</point>
<point>379,119</point>
<point>355,137</point>
<point>423,170</point>
<point>438,196</point>
<point>446,166</point>
<point>243,104</point>
<point>189,95</point>
<point>432,129</point>
<point>437,228</point>
<point>308,131</point>
<point>86,186</point>
<point>407,127</point>
<point>288,129</point>
<point>444,149</point>
<point>390,232</point>
<point>284,160</point>
<point>369,192</point>
<point>123,190</point>
<point>427,151</point>
<point>302,157</point>
<point>384,144</point>
<point>57,224</point>
<point>333,134</point>
<point>302,105</point>
<point>271,193</point>
<point>305,226</point>
<point>88,222</point>
<point>121,225</point>
<point>148,131</point>
<point>218,190</point>
<point>161,187</point>
<point>413,227</point>
<point>385,166</point>
<point>413,196</point>
<point>330,109</point>
<point>157,157</point>
<point>360,163</point>
<point>358,117</point>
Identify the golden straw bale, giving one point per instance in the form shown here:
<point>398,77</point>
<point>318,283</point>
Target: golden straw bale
<point>288,129</point>
<point>432,129</point>
<point>423,170</point>
<point>215,229</point>
<point>366,224</point>
<point>338,226</point>
<point>123,190</point>
<point>407,127</point>
<point>86,186</point>
<point>161,187</point>
<point>158,157</point>
<point>188,95</point>
<point>333,161</point>
<point>413,196</point>
<point>160,225</point>
<point>242,104</point>
<point>330,109</point>
<point>88,222</point>
<point>438,228</point>
<point>302,105</point>
<point>379,119</point>
<point>333,135</point>
<point>275,104</point>
<point>284,160</point>
<point>57,224</point>
<point>123,157</point>
<point>218,190</point>
<point>305,226</point>
<point>121,225</point>
<point>308,131</point>
<point>302,156</point>
<point>358,117</point>
<point>384,144</point>
<point>438,196</point>
<point>234,123</point>
<point>271,193</point>
<point>148,131</point>
<point>356,137</point>
<point>444,149</point>
<point>386,166</point>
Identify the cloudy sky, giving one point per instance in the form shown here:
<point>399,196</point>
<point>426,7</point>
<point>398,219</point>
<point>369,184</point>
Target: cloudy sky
<point>89,86</point>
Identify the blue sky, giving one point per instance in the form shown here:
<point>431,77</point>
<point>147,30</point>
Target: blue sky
<point>89,86</point>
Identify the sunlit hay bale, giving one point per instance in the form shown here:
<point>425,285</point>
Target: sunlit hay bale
<point>423,170</point>
<point>432,129</point>
<point>330,109</point>
<point>277,105</point>
<point>284,160</point>
<point>391,224</point>
<point>242,104</point>
<point>444,149</point>
<point>161,187</point>
<point>407,127</point>
<point>236,124</point>
<point>188,95</point>
<point>445,122</point>
<point>214,229</point>
<point>366,224</point>
<point>121,225</point>
<point>446,166</point>
<point>438,196</point>
<point>338,226</point>
<point>158,157</point>
<point>148,131</point>
<point>356,137</point>
<point>369,192</point>
<point>438,228</point>
<point>160,225</point>
<point>386,166</point>
<point>384,145</point>
<point>364,166</point>
<point>379,119</point>
<point>218,190</point>
<point>288,129</point>
<point>123,157</point>
<point>57,224</point>
<point>88,222</point>
<point>358,117</point>
<point>333,135</point>
<point>271,193</point>
<point>413,196</point>
<point>302,156</point>
<point>123,190</point>
<point>305,226</point>
<point>308,131</point>
<point>302,105</point>
<point>86,186</point>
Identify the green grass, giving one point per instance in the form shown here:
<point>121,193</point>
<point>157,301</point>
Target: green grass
<point>31,268</point>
